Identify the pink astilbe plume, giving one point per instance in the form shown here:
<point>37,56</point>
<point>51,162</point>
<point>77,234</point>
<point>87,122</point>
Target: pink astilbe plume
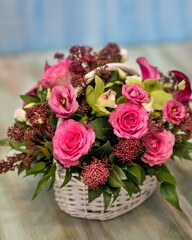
<point>96,173</point>
<point>127,150</point>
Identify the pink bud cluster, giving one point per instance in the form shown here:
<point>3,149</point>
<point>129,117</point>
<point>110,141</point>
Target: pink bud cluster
<point>96,173</point>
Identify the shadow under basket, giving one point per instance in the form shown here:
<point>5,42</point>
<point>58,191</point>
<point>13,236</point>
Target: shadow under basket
<point>73,198</point>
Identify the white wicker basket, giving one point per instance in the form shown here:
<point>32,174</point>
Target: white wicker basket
<point>73,198</point>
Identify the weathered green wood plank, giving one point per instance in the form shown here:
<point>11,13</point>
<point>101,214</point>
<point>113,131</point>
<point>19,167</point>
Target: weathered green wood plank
<point>41,219</point>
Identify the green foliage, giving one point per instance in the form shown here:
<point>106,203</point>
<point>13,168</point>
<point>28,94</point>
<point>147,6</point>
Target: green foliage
<point>102,128</point>
<point>93,194</point>
<point>122,74</point>
<point>21,147</point>
<point>99,87</point>
<point>166,177</point>
<point>45,151</point>
<point>114,76</point>
<point>152,85</point>
<point>160,98</point>
<point>38,167</point>
<point>104,150</point>
<point>107,199</point>
<point>68,176</point>
<point>30,99</point>
<point>183,150</point>
<point>53,121</point>
<point>90,96</point>
<point>168,191</point>
<point>135,173</point>
<point>121,100</point>
<point>4,142</point>
<point>134,80</point>
<point>111,84</point>
<point>41,184</point>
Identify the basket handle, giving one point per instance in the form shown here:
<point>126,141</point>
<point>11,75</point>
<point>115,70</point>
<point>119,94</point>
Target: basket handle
<point>89,77</point>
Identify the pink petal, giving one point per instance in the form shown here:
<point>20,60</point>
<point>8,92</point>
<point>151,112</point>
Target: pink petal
<point>46,66</point>
<point>184,95</point>
<point>147,70</point>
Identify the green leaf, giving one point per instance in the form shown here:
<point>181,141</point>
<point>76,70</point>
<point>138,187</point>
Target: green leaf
<point>130,186</point>
<point>93,194</point>
<point>68,176</point>
<point>169,193</point>
<point>49,145</point>
<point>102,128</point>
<point>107,199</point>
<point>40,186</point>
<point>143,174</point>
<point>135,80</point>
<point>21,147</point>
<point>120,172</point>
<point>135,171</point>
<point>100,111</point>
<point>90,96</point>
<point>30,99</point>
<point>113,183</point>
<point>122,74</point>
<point>51,174</point>
<point>116,192</point>
<point>114,76</point>
<point>53,121</point>
<point>114,179</point>
<point>152,85</point>
<point>4,142</point>
<point>121,100</point>
<point>104,150</point>
<point>99,87</point>
<point>38,167</point>
<point>111,84</point>
<point>160,98</point>
<point>21,169</point>
<point>45,152</point>
<point>166,177</point>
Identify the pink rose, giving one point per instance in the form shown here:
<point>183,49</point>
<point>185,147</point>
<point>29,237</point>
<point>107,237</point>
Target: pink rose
<point>160,148</point>
<point>71,141</point>
<point>174,112</point>
<point>134,93</point>
<point>129,121</point>
<point>57,75</point>
<point>63,101</point>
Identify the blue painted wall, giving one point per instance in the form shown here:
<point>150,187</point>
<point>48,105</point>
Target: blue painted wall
<point>28,25</point>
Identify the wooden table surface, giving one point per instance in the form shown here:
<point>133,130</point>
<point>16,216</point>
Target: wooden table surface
<point>41,219</point>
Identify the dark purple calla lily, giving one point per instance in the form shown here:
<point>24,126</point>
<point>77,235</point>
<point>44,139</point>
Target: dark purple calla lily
<point>33,91</point>
<point>147,70</point>
<point>184,95</point>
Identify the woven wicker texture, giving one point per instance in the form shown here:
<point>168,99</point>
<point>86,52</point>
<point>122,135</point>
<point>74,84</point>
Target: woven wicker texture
<point>73,199</point>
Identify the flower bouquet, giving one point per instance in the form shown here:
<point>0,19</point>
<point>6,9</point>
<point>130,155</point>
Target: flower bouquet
<point>100,133</point>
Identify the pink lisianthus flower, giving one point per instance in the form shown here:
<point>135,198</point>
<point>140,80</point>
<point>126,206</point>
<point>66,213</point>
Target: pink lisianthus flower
<point>160,148</point>
<point>71,141</point>
<point>63,101</point>
<point>129,121</point>
<point>148,71</point>
<point>174,112</point>
<point>57,75</point>
<point>182,96</point>
<point>134,93</point>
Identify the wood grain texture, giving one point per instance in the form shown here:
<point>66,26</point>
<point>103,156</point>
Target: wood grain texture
<point>41,219</point>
